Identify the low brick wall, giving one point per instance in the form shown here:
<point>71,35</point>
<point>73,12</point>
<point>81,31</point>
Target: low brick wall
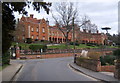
<point>110,68</point>
<point>94,65</point>
<point>89,64</point>
<point>47,56</point>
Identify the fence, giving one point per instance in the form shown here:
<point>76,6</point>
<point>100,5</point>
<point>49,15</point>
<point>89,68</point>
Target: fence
<point>59,51</point>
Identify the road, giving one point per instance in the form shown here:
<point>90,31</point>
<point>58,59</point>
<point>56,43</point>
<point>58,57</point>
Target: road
<point>56,69</point>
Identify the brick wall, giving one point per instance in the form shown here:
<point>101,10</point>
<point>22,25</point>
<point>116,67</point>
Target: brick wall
<point>89,64</point>
<point>108,68</point>
<point>47,56</point>
<point>95,65</point>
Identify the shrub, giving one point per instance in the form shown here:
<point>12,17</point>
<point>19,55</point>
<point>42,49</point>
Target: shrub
<point>92,44</point>
<point>76,43</point>
<point>117,53</point>
<point>89,44</point>
<point>28,40</point>
<point>38,47</point>
<point>5,59</point>
<point>94,55</point>
<point>108,59</point>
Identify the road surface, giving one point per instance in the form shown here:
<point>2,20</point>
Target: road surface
<point>55,69</point>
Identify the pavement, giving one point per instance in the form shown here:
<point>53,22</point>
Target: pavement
<point>9,72</point>
<point>103,76</point>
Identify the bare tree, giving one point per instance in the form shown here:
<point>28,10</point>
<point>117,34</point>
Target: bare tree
<point>89,26</point>
<point>19,31</point>
<point>67,14</point>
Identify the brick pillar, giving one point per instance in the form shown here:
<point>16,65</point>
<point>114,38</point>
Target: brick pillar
<point>117,69</point>
<point>62,39</point>
<point>17,52</point>
<point>98,65</point>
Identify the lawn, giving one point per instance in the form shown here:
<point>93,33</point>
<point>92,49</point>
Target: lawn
<point>24,45</point>
<point>63,46</point>
<point>60,46</point>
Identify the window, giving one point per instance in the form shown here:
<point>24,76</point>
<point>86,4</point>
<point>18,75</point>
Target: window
<point>37,37</point>
<point>23,37</point>
<point>43,37</point>
<point>37,29</point>
<point>23,29</point>
<point>32,29</point>
<point>32,36</point>
<point>43,29</point>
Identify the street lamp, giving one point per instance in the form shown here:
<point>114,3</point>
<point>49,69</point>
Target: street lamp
<point>106,28</point>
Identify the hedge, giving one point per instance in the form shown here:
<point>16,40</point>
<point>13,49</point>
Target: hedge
<point>38,47</point>
<point>117,53</point>
<point>107,59</point>
<point>5,59</point>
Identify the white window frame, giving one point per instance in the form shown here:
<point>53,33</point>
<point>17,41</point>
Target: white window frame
<point>43,30</point>
<point>43,38</point>
<point>37,37</point>
<point>37,29</point>
<point>23,37</point>
<point>32,36</point>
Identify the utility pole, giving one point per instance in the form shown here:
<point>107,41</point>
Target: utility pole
<point>74,41</point>
<point>73,36</point>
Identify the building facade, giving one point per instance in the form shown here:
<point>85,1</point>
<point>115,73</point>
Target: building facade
<point>39,29</point>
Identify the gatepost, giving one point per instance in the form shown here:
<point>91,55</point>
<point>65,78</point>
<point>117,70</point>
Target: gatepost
<point>17,52</point>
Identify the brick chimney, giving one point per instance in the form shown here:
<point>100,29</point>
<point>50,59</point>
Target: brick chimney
<point>31,15</point>
<point>47,21</point>
<point>89,31</point>
<point>97,31</point>
<point>84,30</point>
<point>18,20</point>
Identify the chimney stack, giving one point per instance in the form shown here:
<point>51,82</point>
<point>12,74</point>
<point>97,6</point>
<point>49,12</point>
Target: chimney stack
<point>84,30</point>
<point>97,31</point>
<point>47,21</point>
<point>18,19</point>
<point>31,15</point>
<point>89,31</point>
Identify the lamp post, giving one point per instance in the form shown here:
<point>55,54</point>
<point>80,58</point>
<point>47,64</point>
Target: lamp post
<point>74,41</point>
<point>106,28</point>
<point>74,35</point>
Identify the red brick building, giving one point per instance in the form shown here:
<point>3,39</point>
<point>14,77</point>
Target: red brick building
<point>39,29</point>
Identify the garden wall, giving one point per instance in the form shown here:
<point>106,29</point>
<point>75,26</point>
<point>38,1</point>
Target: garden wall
<point>89,64</point>
<point>47,56</point>
<point>94,65</point>
<point>110,68</point>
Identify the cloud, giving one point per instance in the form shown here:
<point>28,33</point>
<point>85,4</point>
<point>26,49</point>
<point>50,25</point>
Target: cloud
<point>101,12</point>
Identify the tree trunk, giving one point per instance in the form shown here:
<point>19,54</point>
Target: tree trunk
<point>66,37</point>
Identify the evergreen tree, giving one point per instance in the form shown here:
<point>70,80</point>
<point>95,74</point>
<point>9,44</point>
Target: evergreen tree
<point>8,19</point>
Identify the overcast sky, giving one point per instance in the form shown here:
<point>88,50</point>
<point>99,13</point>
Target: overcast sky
<point>101,12</point>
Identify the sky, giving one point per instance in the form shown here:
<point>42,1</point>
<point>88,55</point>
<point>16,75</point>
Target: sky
<point>103,13</point>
